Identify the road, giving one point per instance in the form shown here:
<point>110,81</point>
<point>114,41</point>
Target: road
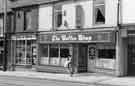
<point>22,81</point>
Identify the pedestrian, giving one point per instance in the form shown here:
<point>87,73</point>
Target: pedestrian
<point>68,65</point>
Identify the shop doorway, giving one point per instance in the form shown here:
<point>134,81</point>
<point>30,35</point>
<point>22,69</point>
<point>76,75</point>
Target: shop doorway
<point>92,56</point>
<point>82,61</point>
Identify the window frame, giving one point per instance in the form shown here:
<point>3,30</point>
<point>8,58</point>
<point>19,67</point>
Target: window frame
<point>57,12</point>
<point>59,58</point>
<point>27,19</point>
<point>1,26</point>
<point>97,5</point>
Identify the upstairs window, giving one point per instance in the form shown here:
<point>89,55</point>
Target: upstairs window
<point>58,15</point>
<point>79,16</point>
<point>27,20</point>
<point>1,26</point>
<point>99,12</point>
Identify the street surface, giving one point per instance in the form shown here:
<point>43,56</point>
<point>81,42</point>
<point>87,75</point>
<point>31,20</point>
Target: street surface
<point>21,81</point>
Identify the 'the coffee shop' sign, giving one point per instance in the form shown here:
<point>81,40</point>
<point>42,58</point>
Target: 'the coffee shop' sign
<point>70,37</point>
<point>77,37</point>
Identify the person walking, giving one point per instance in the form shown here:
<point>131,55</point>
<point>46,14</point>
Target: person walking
<point>68,65</point>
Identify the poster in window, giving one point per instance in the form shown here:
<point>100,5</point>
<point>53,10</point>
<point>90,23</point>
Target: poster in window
<point>92,52</point>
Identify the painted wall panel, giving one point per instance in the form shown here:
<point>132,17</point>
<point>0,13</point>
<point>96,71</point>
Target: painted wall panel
<point>45,18</point>
<point>111,12</point>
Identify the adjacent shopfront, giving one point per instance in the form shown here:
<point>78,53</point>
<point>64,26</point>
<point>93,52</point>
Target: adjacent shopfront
<point>131,53</point>
<point>91,51</point>
<point>23,50</point>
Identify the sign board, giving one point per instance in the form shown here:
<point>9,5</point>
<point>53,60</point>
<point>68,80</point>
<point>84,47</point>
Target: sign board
<point>24,37</point>
<point>77,37</point>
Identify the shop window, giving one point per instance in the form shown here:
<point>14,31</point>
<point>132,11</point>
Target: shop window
<point>99,12</point>
<point>64,52</point>
<point>58,15</point>
<point>44,54</point>
<point>57,54</point>
<point>54,52</point>
<point>106,53</point>
<point>106,57</point>
<point>24,53</point>
<point>44,51</point>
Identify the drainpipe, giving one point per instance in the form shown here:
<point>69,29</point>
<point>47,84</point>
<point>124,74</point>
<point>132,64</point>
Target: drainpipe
<point>4,35</point>
<point>120,46</point>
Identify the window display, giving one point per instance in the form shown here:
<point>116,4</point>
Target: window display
<point>53,54</point>
<point>106,57</point>
<point>25,52</point>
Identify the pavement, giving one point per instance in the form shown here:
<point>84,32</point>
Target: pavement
<point>92,78</point>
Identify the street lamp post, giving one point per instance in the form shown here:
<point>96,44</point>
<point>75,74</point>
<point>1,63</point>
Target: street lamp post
<point>4,36</point>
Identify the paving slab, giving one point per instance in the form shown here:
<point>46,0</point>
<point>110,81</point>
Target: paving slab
<point>83,77</point>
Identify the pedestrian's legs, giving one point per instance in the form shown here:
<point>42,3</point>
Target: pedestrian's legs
<point>71,71</point>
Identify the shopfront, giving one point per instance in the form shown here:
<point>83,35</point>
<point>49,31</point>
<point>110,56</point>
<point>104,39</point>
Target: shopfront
<point>24,50</point>
<point>91,51</point>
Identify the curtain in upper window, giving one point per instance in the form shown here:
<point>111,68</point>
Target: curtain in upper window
<point>99,12</point>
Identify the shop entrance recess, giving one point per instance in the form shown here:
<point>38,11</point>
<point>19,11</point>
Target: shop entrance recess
<point>82,61</point>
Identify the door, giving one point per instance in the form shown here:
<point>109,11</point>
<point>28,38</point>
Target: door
<point>82,60</point>
<point>131,59</point>
<point>92,56</point>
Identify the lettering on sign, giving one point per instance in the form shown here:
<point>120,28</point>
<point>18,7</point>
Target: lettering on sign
<point>77,37</point>
<point>71,38</point>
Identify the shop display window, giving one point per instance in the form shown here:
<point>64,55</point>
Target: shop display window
<point>64,52</point>
<point>54,52</point>
<point>106,57</point>
<point>57,54</point>
<point>25,52</point>
<point>106,53</point>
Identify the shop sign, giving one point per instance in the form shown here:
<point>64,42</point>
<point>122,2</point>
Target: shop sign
<point>77,37</point>
<point>24,37</point>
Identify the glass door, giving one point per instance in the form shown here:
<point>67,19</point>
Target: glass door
<point>92,56</point>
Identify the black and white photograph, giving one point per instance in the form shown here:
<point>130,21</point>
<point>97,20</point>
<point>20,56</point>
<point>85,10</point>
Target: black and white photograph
<point>67,43</point>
